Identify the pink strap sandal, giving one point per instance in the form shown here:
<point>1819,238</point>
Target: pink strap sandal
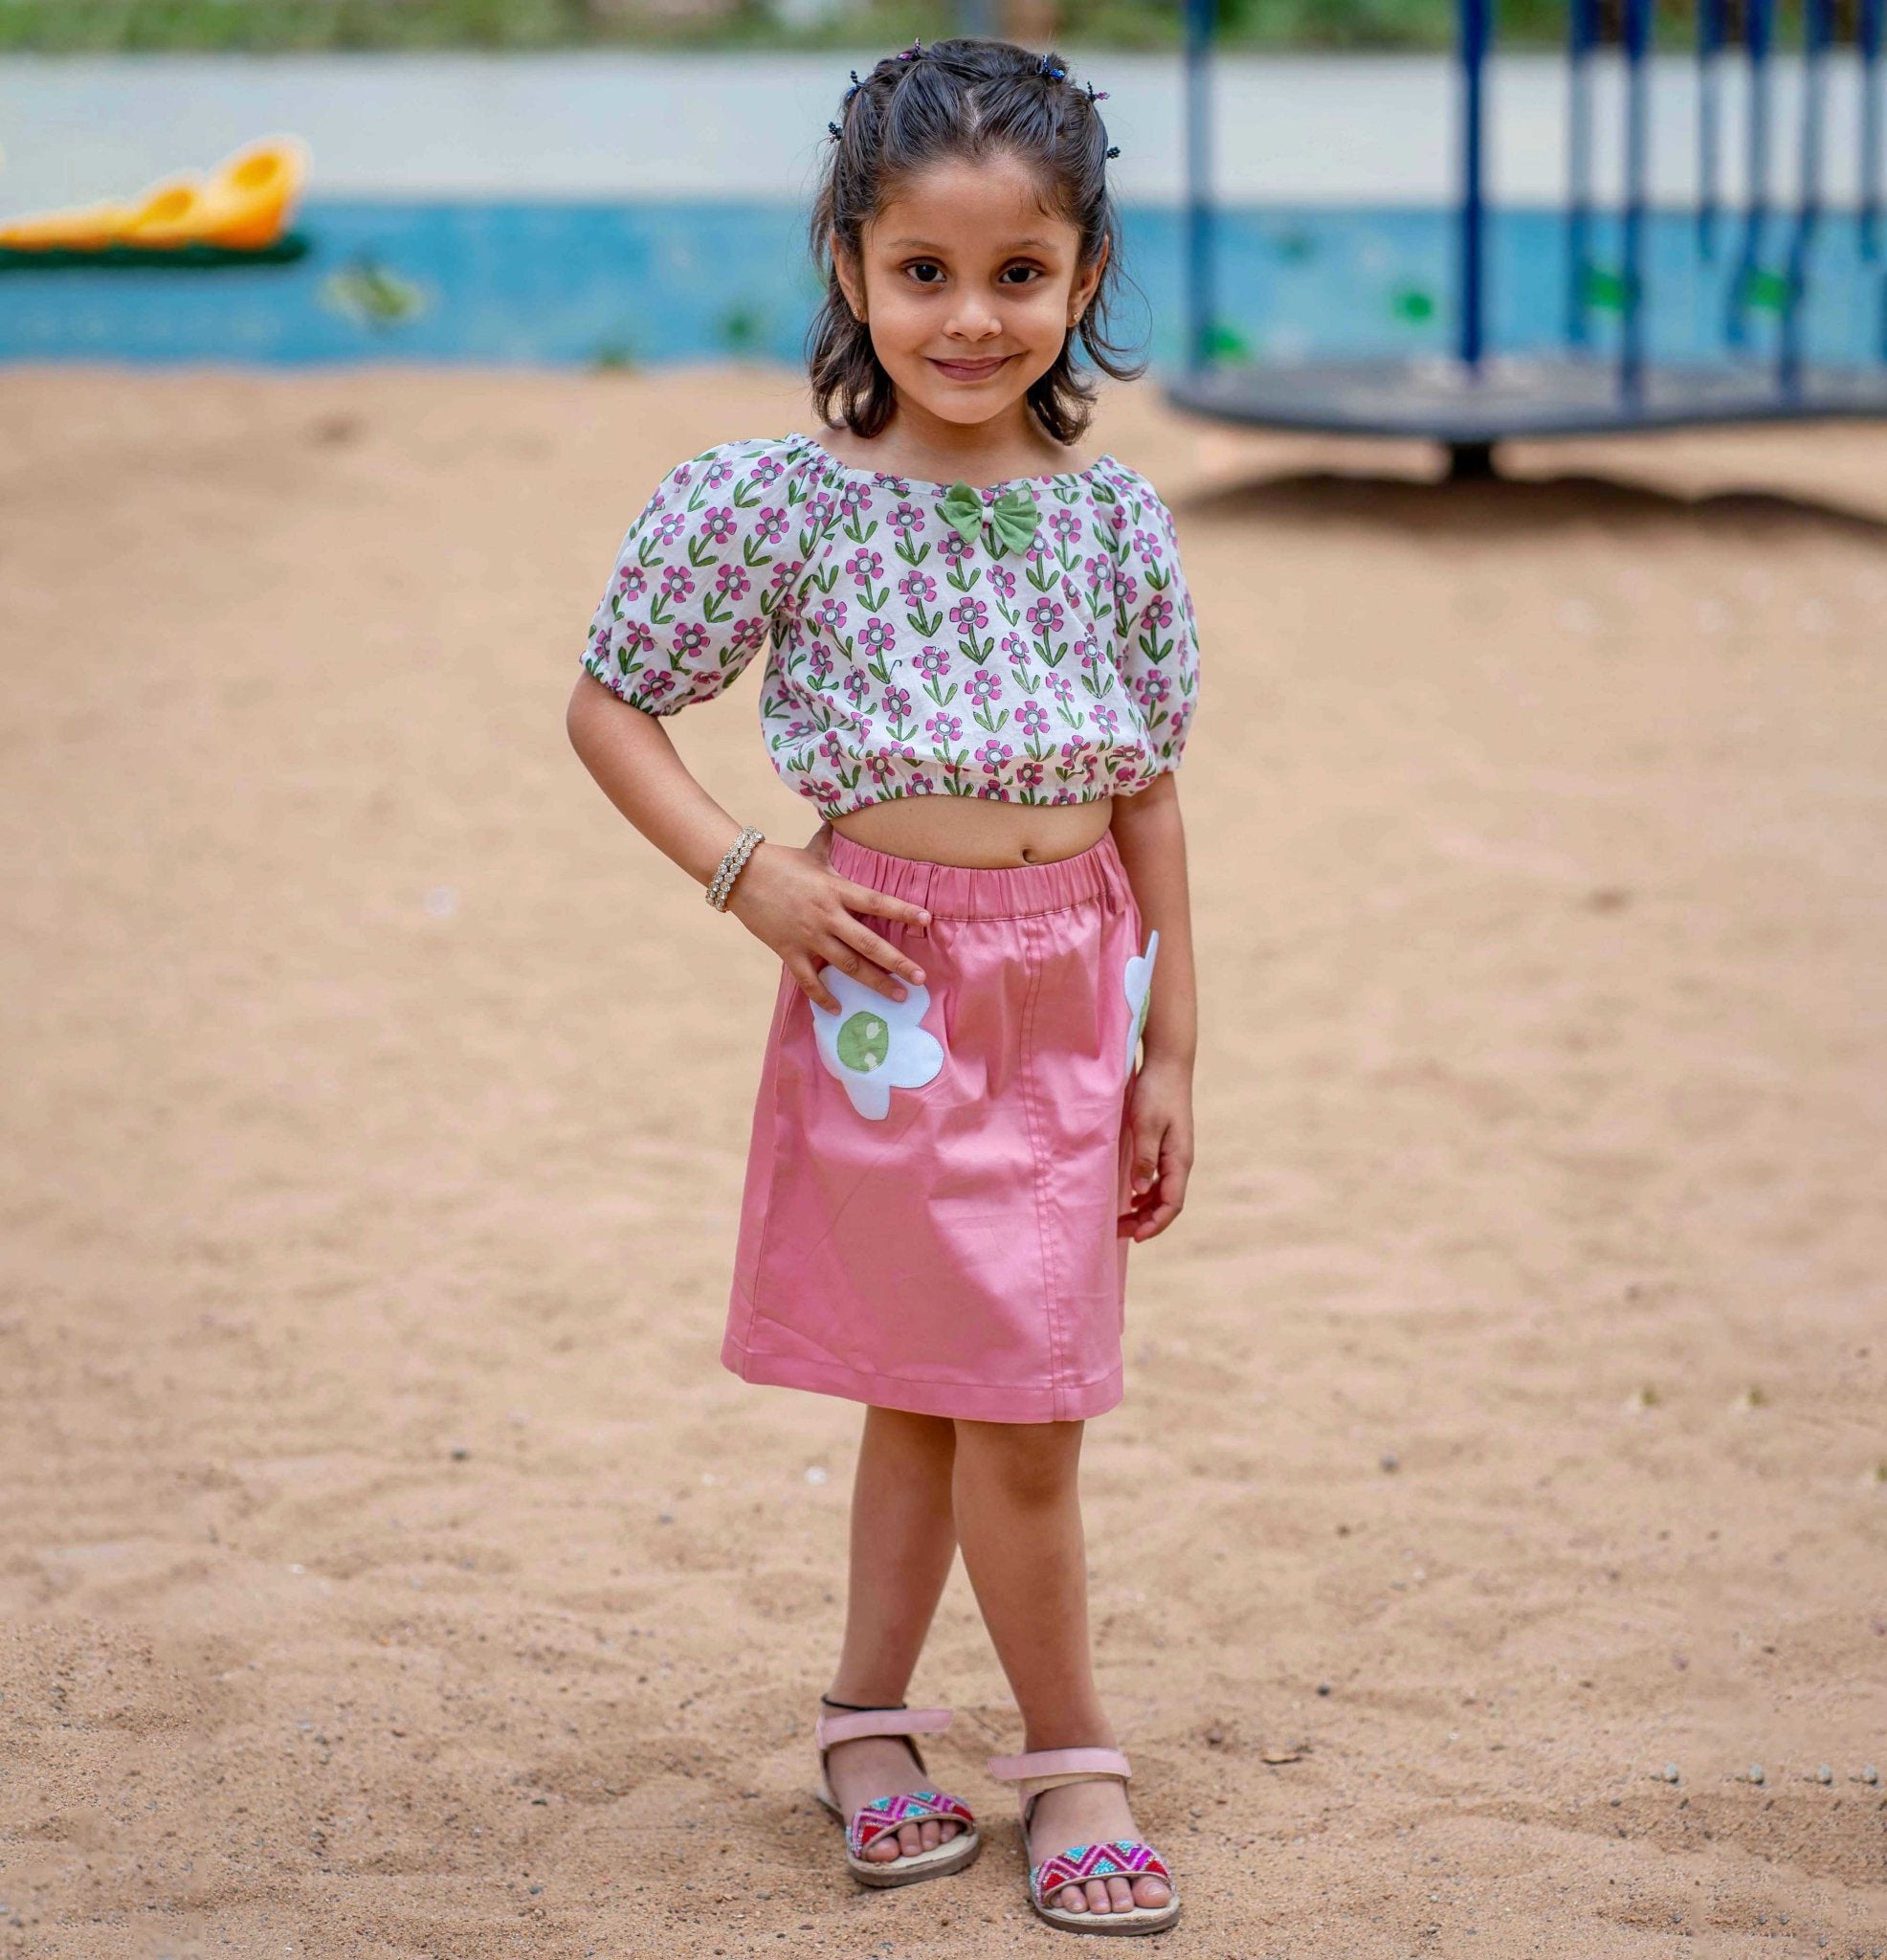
<point>1126,1857</point>
<point>872,1821</point>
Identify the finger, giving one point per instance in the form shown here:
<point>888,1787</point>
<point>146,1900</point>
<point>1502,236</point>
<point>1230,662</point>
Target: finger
<point>806,972</point>
<point>865,898</point>
<point>861,936</point>
<point>848,959</point>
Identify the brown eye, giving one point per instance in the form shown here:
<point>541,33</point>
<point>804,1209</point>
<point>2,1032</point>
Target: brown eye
<point>931,263</point>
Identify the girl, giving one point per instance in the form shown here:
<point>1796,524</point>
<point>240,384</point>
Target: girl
<point>982,668</point>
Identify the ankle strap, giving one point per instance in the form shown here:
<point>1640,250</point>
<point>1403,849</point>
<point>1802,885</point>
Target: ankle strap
<point>1044,1768</point>
<point>831,1729</point>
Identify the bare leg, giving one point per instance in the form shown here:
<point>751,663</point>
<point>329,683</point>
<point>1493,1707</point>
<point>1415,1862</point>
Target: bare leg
<point>1019,1519</point>
<point>903,1543</point>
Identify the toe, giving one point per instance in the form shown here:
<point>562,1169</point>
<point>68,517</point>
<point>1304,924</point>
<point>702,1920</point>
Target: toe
<point>884,1848</point>
<point>1151,1891</point>
<point>931,1835</point>
<point>910,1837</point>
<point>1098,1900</point>
<point>1073,1898</point>
<point>1119,1896</point>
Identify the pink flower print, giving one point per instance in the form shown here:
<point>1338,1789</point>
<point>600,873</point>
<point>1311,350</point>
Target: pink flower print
<point>637,639</point>
<point>1058,684</point>
<point>1045,617</point>
<point>879,767</point>
<point>689,638</point>
<point>1117,516</point>
<point>895,703</point>
<point>769,469</point>
<point>993,754</point>
<point>1147,546</point>
<point>671,526</point>
<point>905,519</point>
<point>992,793</point>
<point>921,785</point>
<point>1003,580</point>
<point>1032,717</point>
<point>1028,773</point>
<point>1153,686</point>
<point>819,664</point>
<point>1065,525</point>
<point>933,663</point>
<point>831,613</point>
<point>1099,569</point>
<point>684,473</point>
<point>771,525</point>
<point>749,633</point>
<point>1105,718</point>
<point>917,589</point>
<point>717,473</point>
<point>1071,752</point>
<point>731,582</point>
<point>781,578</point>
<point>676,582</point>
<point>819,508</point>
<point>969,615</point>
<point>1158,611</point>
<point>632,581</point>
<point>718,524</point>
<point>656,685</point>
<point>983,687</point>
<point>1017,650</point>
<point>943,727</point>
<point>1127,592</point>
<point>825,792</point>
<point>954,549</point>
<point>876,636</point>
<point>832,749</point>
<point>853,497</point>
<point>864,566</point>
<point>855,686</point>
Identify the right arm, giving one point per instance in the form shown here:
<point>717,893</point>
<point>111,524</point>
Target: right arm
<point>786,895</point>
<point>686,610</point>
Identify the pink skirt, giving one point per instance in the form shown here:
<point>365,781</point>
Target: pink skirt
<point>935,1185</point>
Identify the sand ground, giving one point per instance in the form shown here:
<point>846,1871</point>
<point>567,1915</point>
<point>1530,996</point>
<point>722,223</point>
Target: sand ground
<point>389,1566</point>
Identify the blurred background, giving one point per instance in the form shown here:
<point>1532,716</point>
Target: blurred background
<point>388,1570</point>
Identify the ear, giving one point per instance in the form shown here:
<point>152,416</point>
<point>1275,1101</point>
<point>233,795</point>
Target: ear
<point>849,280</point>
<point>1085,283</point>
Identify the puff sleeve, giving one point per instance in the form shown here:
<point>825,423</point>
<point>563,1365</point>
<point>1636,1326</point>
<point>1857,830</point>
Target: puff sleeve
<point>1157,649</point>
<point>699,579</point>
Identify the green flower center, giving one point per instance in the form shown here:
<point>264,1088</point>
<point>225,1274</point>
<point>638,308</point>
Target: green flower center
<point>864,1040</point>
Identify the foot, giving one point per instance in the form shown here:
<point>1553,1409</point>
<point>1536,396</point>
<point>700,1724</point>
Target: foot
<point>1075,1814</point>
<point>870,1766</point>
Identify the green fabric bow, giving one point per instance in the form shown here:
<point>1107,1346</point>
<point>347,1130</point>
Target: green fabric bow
<point>1012,517</point>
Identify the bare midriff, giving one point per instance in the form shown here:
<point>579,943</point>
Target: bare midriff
<point>975,830</point>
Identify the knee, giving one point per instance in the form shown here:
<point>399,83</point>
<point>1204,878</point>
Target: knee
<point>1031,1463</point>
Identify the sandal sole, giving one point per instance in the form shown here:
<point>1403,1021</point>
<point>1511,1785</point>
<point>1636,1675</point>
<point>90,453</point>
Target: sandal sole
<point>1143,1919</point>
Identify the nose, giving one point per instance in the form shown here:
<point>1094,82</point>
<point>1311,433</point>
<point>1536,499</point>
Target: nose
<point>973,321</point>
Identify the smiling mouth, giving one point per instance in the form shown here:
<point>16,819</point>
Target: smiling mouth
<point>971,371</point>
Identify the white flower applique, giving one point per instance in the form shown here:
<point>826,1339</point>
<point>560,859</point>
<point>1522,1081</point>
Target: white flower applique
<point>1139,982</point>
<point>874,1044</point>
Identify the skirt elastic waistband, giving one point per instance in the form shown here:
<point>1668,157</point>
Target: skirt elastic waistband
<point>990,891</point>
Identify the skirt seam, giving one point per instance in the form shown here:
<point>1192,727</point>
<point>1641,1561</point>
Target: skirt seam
<point>1050,1274</point>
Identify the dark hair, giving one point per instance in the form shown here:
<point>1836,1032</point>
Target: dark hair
<point>968,99</point>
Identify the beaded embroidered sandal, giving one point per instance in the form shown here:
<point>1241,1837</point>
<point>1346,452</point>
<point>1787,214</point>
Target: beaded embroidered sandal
<point>1126,1857</point>
<point>872,1821</point>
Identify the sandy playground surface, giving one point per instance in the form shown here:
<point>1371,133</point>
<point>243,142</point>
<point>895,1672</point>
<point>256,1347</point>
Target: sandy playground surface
<point>390,1569</point>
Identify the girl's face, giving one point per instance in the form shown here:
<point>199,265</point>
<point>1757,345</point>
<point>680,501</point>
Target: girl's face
<point>968,288</point>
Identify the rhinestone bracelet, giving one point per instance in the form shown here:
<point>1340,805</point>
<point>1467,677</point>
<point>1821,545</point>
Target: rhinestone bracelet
<point>737,854</point>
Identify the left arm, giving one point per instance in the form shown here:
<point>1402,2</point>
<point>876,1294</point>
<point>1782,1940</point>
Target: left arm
<point>1151,840</point>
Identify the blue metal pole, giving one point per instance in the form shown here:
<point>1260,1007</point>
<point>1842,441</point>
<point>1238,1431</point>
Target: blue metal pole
<point>1757,16</point>
<point>1202,307</point>
<point>1637,147</point>
<point>1874,12</point>
<point>1709,140</point>
<point>1582,22</point>
<point>1476,26</point>
<point>1817,29</point>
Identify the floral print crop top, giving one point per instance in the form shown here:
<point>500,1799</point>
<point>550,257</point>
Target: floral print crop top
<point>1041,649</point>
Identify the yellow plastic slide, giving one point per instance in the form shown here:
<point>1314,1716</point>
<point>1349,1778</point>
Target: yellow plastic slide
<point>243,204</point>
